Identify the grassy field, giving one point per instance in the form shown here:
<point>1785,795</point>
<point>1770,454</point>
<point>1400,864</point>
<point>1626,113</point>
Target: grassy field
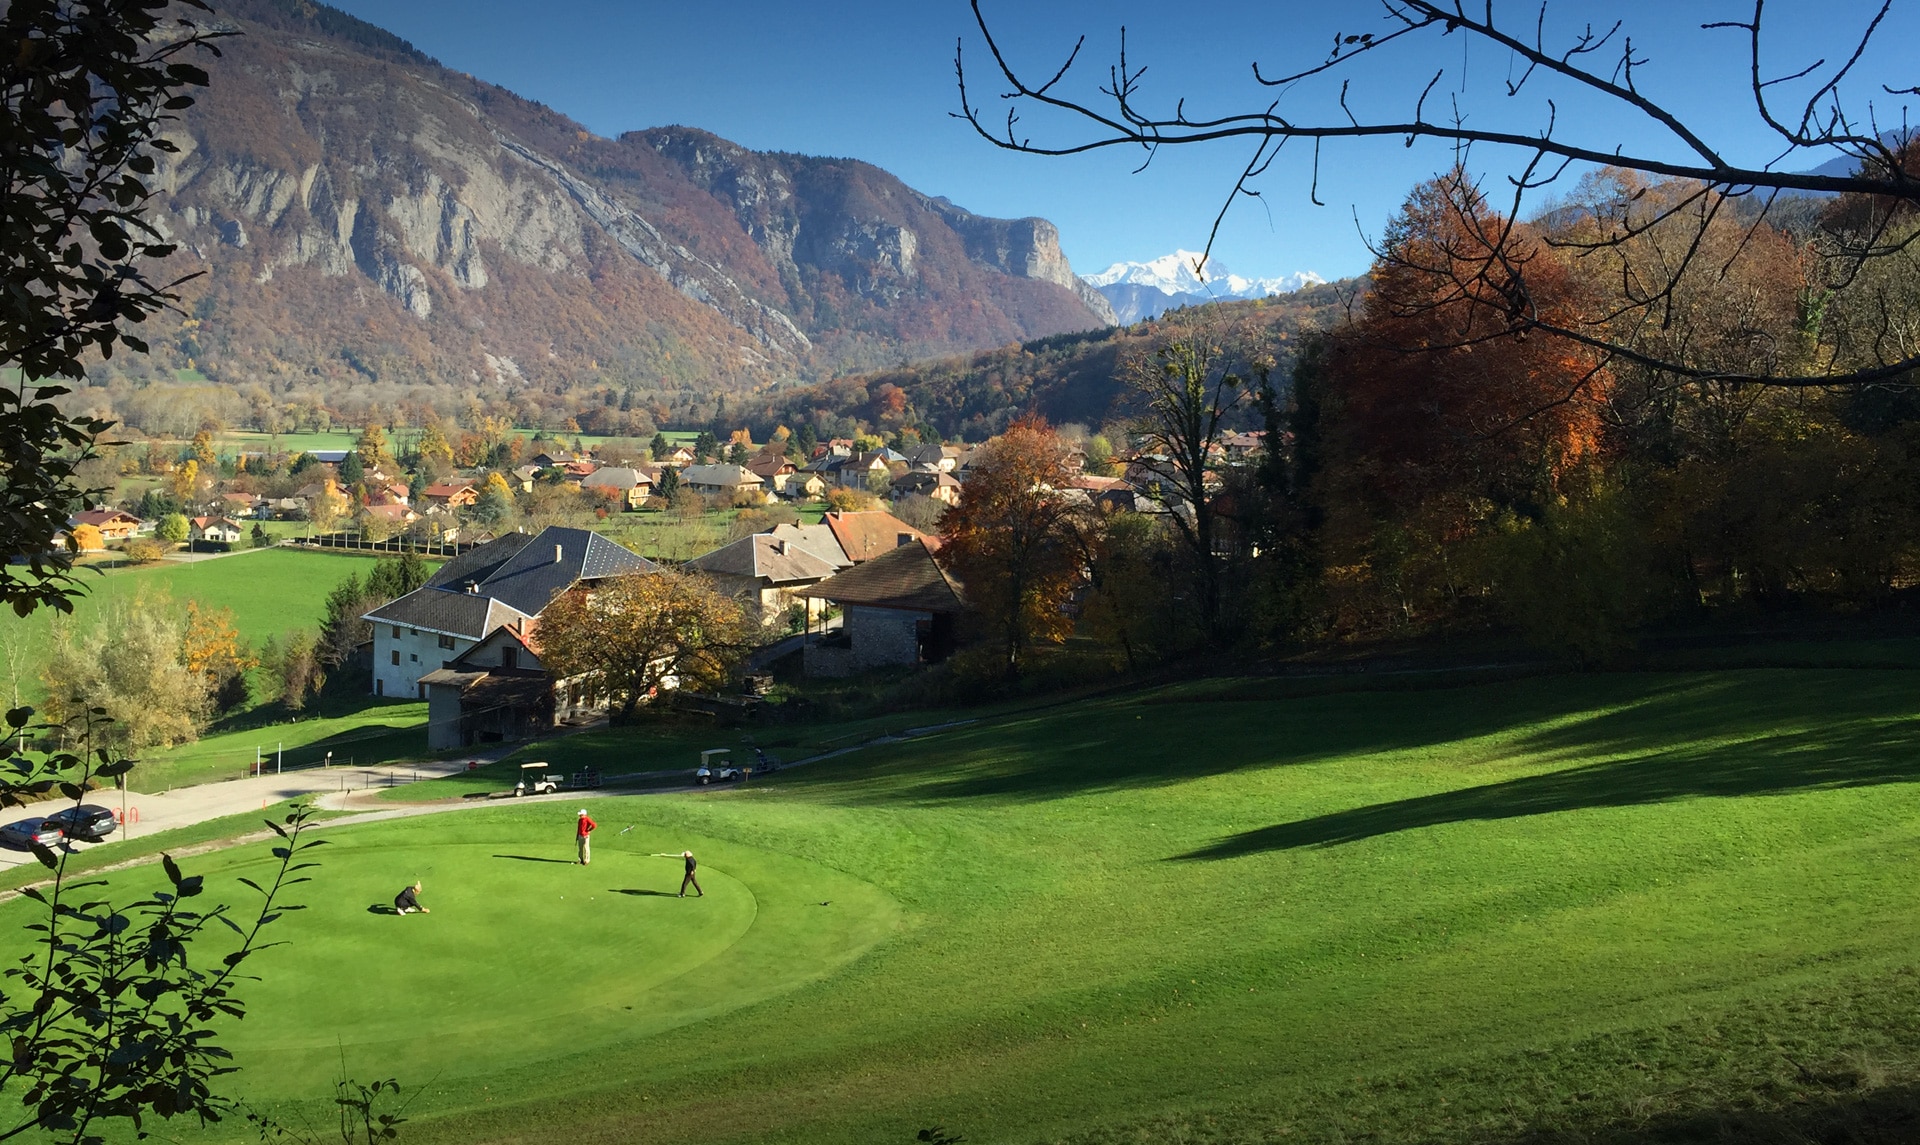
<point>1584,907</point>
<point>269,591</point>
<point>370,731</point>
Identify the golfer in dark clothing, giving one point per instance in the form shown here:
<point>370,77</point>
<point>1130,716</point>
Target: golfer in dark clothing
<point>408,901</point>
<point>690,880</point>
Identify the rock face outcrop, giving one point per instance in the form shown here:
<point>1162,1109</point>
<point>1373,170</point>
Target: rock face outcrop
<point>353,202</point>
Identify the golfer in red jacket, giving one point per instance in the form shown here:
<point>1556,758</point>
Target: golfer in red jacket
<point>581,832</point>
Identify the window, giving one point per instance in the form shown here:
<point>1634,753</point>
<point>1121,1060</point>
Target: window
<point>396,632</point>
<point>413,631</point>
<point>415,657</point>
<point>509,657</point>
<point>446,642</point>
<point>396,656</point>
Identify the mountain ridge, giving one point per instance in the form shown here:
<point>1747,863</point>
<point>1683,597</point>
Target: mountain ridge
<point>364,217</point>
<point>1142,290</point>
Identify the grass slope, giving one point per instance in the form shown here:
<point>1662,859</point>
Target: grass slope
<point>269,591</point>
<point>372,731</point>
<point>1583,905</point>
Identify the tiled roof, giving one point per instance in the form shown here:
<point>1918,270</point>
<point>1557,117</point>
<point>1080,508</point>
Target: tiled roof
<point>816,539</point>
<point>616,477</point>
<point>97,517</point>
<point>764,555</point>
<point>519,574</point>
<point>863,536</point>
<point>907,577</point>
<point>720,475</point>
<point>448,611</point>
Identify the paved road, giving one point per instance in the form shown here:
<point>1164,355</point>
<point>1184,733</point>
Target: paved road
<point>186,806</point>
<point>356,788</point>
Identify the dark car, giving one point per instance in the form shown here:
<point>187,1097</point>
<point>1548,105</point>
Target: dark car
<point>89,821</point>
<point>27,832</point>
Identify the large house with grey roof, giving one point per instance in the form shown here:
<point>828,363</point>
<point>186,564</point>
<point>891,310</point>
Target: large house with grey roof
<point>507,582</point>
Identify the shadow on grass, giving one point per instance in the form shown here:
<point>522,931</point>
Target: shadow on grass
<point>641,893</point>
<point>1861,752</point>
<point>382,908</point>
<point>534,859</point>
<point>1889,1116</point>
<point>1213,730</point>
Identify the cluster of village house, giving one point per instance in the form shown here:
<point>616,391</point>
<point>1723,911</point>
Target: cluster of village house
<point>468,641</point>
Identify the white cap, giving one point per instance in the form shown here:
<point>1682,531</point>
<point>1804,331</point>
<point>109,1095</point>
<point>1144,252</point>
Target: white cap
<point>583,811</point>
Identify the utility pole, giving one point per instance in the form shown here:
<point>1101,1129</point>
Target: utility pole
<point>279,749</point>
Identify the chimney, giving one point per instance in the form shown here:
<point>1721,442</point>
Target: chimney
<point>786,548</point>
<point>902,539</point>
<point>559,553</point>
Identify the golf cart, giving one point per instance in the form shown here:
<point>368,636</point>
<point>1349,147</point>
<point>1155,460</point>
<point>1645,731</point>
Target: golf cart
<point>534,780</point>
<point>716,765</point>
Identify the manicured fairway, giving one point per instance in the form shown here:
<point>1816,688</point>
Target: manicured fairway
<point>1225,912</point>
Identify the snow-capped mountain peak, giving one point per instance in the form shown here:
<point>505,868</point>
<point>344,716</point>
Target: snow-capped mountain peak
<point>1174,278</point>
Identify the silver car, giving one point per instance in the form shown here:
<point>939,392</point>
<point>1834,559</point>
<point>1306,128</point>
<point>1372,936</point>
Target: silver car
<point>27,832</point>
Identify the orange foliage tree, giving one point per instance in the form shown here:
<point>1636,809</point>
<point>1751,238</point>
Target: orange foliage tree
<point>1017,540</point>
<point>1441,409</point>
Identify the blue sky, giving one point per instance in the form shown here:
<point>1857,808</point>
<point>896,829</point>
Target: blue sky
<point>875,81</point>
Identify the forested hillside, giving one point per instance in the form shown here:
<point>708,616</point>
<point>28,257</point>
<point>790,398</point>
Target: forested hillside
<point>1068,378</point>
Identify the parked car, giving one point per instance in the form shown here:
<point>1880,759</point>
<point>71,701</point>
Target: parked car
<point>28,832</point>
<point>89,821</point>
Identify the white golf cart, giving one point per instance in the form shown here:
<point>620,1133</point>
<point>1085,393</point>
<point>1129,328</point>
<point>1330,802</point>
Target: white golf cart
<point>534,780</point>
<point>716,766</point>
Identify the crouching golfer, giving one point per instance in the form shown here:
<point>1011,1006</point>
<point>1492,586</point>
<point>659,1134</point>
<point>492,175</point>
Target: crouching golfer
<point>582,830</point>
<point>408,901</point>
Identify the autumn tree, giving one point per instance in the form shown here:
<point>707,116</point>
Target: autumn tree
<point>213,649</point>
<point>632,637</point>
<point>1439,415</point>
<point>130,660</point>
<point>1017,540</point>
<point>373,451</point>
<point>183,482</point>
<point>172,528</point>
<point>87,539</point>
<point>327,508</point>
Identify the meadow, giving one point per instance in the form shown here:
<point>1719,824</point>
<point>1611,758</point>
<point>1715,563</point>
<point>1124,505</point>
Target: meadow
<point>1582,907</point>
<point>270,591</point>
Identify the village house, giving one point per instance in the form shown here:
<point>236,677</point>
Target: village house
<point>729,481</point>
<point>864,470</point>
<point>509,581</point>
<point>220,530</point>
<point>766,572</point>
<point>774,469</point>
<point>397,517</point>
<point>447,496</point>
<point>937,484</point>
<point>633,485</point>
<point>114,525</point>
<point>243,504</point>
<point>496,691</point>
<point>899,609</point>
<point>804,486</point>
<point>678,456</point>
<point>523,477</point>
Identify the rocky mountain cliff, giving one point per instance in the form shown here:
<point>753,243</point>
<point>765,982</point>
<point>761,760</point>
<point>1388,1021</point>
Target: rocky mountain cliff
<point>365,216</point>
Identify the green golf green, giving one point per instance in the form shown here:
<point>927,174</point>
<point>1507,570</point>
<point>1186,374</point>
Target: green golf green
<point>525,955</point>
